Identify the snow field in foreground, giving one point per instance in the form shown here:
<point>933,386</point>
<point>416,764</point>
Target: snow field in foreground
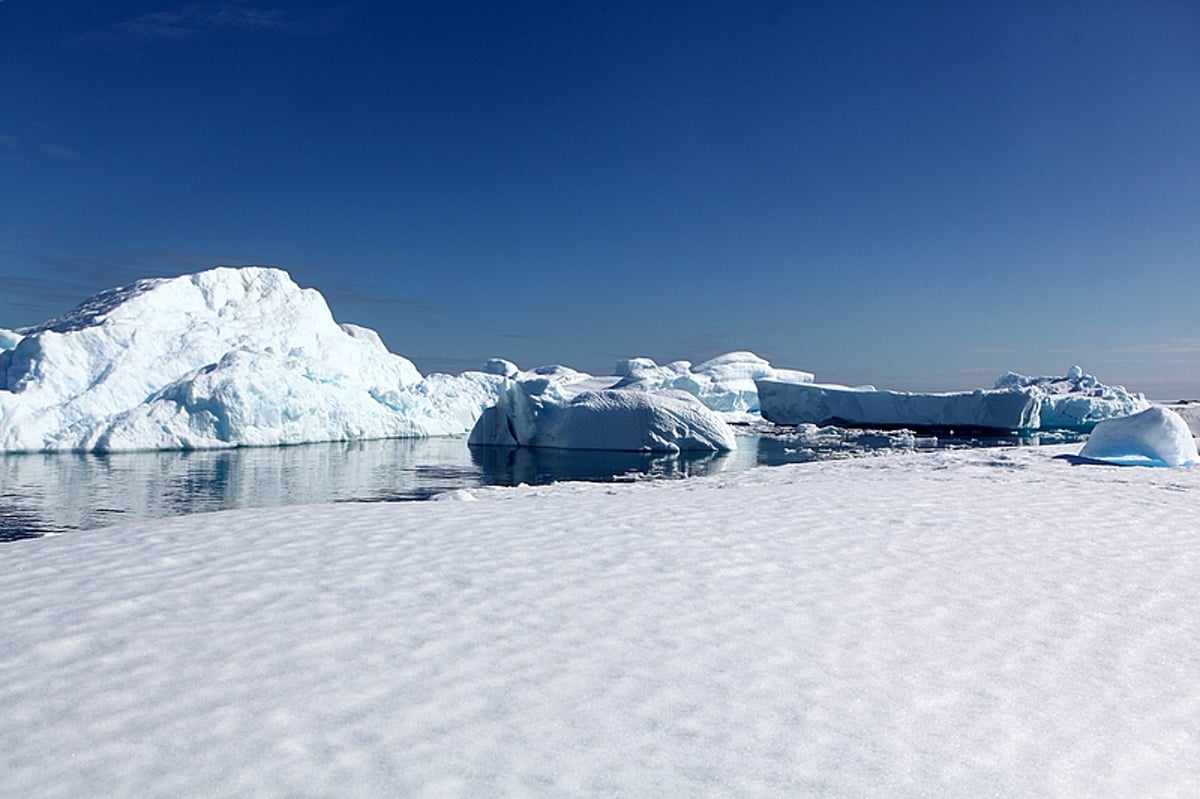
<point>985,622</point>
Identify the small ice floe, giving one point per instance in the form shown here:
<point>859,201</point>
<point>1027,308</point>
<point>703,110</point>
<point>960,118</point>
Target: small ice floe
<point>1154,437</point>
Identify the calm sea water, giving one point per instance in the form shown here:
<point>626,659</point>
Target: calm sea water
<point>42,494</point>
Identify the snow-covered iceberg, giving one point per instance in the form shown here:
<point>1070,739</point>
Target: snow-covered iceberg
<point>552,412</point>
<point>1154,437</point>
<point>1017,403</point>
<point>226,357</point>
<point>724,384</point>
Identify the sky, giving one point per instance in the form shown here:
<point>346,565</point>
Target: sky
<point>918,196</point>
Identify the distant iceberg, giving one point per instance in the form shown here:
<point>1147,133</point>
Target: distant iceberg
<point>724,384</point>
<point>1190,413</point>
<point>226,357</point>
<point>1018,403</point>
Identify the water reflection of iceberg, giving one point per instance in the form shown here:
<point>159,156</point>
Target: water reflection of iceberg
<point>73,491</point>
<point>45,493</point>
<point>539,466</point>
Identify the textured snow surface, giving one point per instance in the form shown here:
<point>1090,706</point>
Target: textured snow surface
<point>959,623</point>
<point>1074,402</point>
<point>556,413</point>
<point>226,357</point>
<point>1155,437</point>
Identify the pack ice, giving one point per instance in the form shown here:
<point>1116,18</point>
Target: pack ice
<point>1076,401</point>
<point>226,357</point>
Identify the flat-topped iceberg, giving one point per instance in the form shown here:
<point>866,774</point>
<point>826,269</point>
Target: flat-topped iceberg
<point>226,357</point>
<point>552,412</point>
<point>821,404</point>
<point>724,383</point>
<point>1017,403</point>
<point>1154,437</point>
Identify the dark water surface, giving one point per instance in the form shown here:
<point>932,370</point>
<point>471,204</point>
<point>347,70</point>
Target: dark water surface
<point>42,494</point>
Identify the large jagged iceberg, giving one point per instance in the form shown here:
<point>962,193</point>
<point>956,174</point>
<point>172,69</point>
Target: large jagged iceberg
<point>1154,437</point>
<point>1018,403</point>
<point>558,412</point>
<point>1076,401</point>
<point>226,357</point>
<point>724,383</point>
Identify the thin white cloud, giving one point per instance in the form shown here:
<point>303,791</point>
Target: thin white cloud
<point>9,141</point>
<point>199,19</point>
<point>1178,346</point>
<point>61,153</point>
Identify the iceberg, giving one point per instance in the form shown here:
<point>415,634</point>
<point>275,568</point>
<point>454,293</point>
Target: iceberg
<point>1190,411</point>
<point>1154,437</point>
<point>1076,401</point>
<point>222,358</point>
<point>724,384</point>
<point>822,404</point>
<point>552,412</point>
<point>1016,404</point>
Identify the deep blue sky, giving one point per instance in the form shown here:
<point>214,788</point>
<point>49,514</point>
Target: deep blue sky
<point>916,195</point>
